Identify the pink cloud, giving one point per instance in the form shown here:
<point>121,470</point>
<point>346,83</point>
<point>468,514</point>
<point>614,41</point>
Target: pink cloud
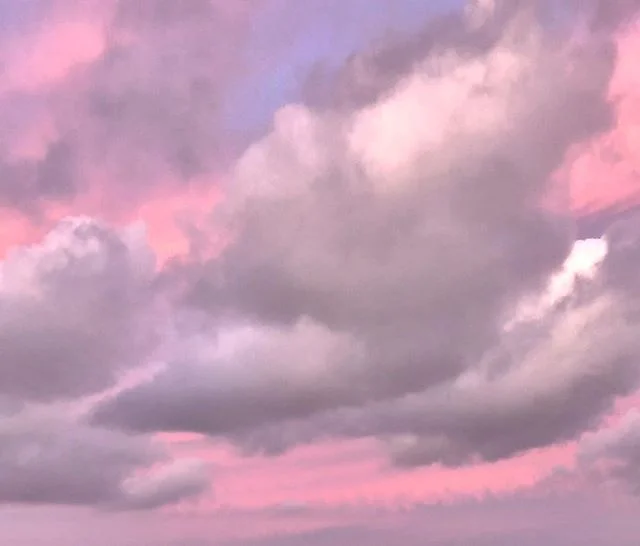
<point>356,473</point>
<point>606,172</point>
<point>68,38</point>
<point>54,53</point>
<point>253,495</point>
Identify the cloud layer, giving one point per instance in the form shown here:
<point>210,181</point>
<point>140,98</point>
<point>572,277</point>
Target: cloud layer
<point>48,459</point>
<point>139,109</point>
<point>396,257</point>
<point>379,250</point>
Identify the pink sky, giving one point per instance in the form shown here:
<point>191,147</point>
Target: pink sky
<point>328,479</point>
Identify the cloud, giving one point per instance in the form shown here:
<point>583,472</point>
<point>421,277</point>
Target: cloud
<point>521,518</point>
<point>150,102</point>
<point>370,73</point>
<point>614,13</point>
<point>392,268</point>
<point>180,479</point>
<point>74,311</point>
<point>603,172</point>
<point>138,109</point>
<point>377,253</point>
<point>257,379</point>
<point>552,377</point>
<point>49,459</point>
<point>613,454</point>
<point>77,313</point>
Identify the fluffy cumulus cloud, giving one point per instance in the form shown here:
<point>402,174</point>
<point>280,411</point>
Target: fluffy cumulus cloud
<point>73,310</point>
<point>74,316</point>
<point>384,253</point>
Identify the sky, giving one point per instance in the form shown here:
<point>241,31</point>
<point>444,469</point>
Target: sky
<point>319,273</point>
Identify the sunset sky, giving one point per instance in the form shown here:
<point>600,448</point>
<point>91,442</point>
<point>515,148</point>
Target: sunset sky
<point>319,272</point>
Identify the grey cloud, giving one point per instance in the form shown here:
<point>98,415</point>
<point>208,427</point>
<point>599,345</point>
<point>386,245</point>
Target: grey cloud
<point>545,383</point>
<point>612,454</point>
<point>409,250</point>
<point>524,518</point>
<point>610,14</point>
<point>48,459</point>
<point>537,389</point>
<point>342,220</point>
<point>145,111</point>
<point>73,311</point>
<point>23,179</point>
<point>188,542</point>
<point>24,183</point>
<point>252,383</point>
<point>369,74</point>
<point>401,537</point>
<point>554,519</point>
<point>151,101</point>
<point>562,384</point>
<point>179,480</point>
<point>623,259</point>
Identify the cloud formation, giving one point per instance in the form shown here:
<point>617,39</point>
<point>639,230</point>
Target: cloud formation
<point>613,454</point>
<point>141,110</point>
<point>74,311</point>
<point>399,258</point>
<point>75,314</point>
<point>379,250</point>
<point>48,459</point>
